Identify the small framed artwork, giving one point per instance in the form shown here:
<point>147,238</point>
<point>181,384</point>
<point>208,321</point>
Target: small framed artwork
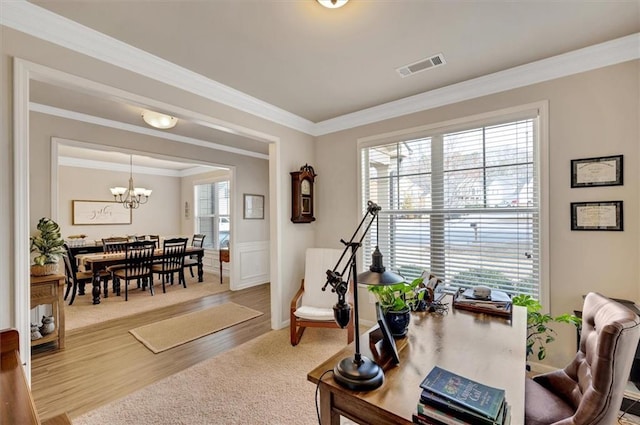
<point>602,171</point>
<point>597,216</point>
<point>253,207</point>
<point>100,212</point>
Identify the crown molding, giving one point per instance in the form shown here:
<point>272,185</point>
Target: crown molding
<point>44,24</point>
<point>90,119</point>
<point>41,23</point>
<point>600,55</point>
<point>126,168</point>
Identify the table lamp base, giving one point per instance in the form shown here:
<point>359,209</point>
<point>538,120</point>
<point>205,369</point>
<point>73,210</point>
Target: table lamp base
<point>363,376</point>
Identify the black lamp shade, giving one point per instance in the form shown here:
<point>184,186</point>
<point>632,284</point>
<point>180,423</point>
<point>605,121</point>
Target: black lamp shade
<point>377,274</point>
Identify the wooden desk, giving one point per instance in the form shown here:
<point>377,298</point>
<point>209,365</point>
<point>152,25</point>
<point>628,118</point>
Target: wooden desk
<point>488,349</point>
<point>224,257</point>
<point>100,261</point>
<point>48,290</point>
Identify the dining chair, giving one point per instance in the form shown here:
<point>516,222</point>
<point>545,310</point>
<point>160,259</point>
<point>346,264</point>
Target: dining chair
<point>154,238</point>
<point>114,244</point>
<point>77,279</point>
<point>137,265</point>
<point>191,261</point>
<point>172,261</point>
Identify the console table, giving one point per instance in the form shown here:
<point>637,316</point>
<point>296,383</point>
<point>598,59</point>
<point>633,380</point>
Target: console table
<point>484,348</point>
<point>49,290</point>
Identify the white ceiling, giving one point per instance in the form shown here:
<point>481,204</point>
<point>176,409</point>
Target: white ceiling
<point>320,65</point>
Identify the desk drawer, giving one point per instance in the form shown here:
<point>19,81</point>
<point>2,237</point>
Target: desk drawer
<point>42,291</point>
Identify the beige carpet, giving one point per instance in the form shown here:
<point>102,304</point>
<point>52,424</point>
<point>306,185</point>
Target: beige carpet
<point>83,313</point>
<point>263,381</point>
<point>169,333</point>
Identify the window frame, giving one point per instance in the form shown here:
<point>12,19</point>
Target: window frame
<point>537,110</point>
<point>217,216</point>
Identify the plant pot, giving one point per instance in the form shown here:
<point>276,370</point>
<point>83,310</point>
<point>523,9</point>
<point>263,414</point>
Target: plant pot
<point>398,321</point>
<point>44,270</point>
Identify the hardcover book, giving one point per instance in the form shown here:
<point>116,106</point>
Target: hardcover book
<point>429,400</point>
<point>477,397</point>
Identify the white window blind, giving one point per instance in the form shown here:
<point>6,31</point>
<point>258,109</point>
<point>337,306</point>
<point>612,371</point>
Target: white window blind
<point>212,213</point>
<point>461,204</point>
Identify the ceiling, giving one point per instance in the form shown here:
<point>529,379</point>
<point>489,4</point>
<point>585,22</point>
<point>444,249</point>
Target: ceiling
<point>320,64</point>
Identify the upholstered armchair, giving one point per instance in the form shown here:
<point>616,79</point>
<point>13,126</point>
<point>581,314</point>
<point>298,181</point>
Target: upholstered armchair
<point>589,390</point>
<point>311,306</point>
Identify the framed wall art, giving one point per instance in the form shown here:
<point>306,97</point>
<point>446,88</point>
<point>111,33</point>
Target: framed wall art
<point>605,215</point>
<point>601,171</point>
<point>253,207</point>
<point>100,212</point>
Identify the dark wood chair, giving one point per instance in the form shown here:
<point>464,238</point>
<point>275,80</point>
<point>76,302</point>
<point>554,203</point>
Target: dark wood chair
<point>77,279</point>
<point>115,244</point>
<point>154,238</point>
<point>137,265</point>
<point>192,260</point>
<point>172,261</point>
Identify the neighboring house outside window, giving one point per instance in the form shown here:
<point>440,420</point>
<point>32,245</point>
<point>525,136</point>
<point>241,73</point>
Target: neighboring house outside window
<point>460,201</point>
<point>212,213</point>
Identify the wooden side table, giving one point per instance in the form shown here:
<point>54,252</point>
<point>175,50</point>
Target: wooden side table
<point>224,257</point>
<point>49,290</point>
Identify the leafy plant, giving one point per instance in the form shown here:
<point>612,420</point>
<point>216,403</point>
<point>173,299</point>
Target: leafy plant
<point>49,243</point>
<point>538,331</point>
<point>400,296</point>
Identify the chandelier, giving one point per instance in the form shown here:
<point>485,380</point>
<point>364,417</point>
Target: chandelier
<point>132,197</point>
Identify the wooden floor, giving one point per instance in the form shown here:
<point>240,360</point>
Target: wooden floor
<point>106,362</point>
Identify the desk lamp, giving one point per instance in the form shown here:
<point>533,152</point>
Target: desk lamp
<point>358,373</point>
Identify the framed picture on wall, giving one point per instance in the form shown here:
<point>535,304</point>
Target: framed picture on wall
<point>99,212</point>
<point>253,206</point>
<point>602,171</point>
<point>597,215</point>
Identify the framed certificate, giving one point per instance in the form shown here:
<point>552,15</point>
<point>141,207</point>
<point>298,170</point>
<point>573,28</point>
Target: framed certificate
<point>596,215</point>
<point>253,206</point>
<point>602,171</point>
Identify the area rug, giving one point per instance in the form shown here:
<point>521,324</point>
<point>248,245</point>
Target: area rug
<point>165,334</point>
<point>83,313</point>
<point>263,381</point>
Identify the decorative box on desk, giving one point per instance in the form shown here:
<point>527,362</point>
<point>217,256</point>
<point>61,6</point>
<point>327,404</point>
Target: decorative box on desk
<point>502,309</point>
<point>49,290</point>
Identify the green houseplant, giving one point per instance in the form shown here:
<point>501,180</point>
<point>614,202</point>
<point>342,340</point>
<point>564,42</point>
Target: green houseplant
<point>397,301</point>
<point>49,245</point>
<point>539,334</point>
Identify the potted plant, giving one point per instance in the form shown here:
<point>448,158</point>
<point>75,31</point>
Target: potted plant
<point>49,245</point>
<point>397,301</point>
<point>539,334</point>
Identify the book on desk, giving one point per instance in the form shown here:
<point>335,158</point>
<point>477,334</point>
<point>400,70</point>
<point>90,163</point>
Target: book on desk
<point>448,398</point>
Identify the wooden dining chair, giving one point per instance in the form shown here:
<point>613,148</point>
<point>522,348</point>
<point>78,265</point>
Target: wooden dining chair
<point>137,265</point>
<point>172,261</point>
<point>192,260</point>
<point>73,277</point>
<point>154,238</point>
<point>115,244</point>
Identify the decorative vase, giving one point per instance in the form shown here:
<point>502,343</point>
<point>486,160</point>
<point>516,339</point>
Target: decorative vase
<point>398,321</point>
<point>44,270</point>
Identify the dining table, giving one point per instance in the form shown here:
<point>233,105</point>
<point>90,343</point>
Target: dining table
<point>98,261</point>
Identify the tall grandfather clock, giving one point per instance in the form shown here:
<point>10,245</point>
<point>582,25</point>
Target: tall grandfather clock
<point>302,194</point>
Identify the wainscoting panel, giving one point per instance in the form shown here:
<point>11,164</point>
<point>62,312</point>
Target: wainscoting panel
<point>251,265</point>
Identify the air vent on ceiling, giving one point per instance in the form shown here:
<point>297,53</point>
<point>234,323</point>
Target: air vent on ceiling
<point>421,65</point>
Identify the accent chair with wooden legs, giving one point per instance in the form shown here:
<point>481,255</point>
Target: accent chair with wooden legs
<point>311,306</point>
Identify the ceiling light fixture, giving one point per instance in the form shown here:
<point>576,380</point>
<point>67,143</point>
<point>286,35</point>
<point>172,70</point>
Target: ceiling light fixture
<point>158,120</point>
<point>135,196</point>
<point>332,4</point>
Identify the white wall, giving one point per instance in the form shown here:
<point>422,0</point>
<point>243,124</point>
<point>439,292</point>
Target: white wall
<point>591,114</point>
<point>159,216</point>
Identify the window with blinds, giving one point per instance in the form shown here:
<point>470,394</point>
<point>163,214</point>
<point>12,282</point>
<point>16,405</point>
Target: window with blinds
<point>212,213</point>
<point>461,204</point>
